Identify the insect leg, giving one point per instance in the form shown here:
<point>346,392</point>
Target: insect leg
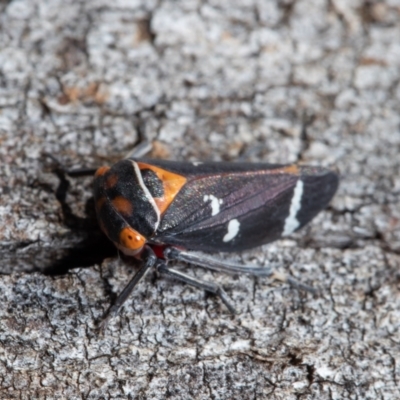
<point>77,172</point>
<point>171,253</point>
<point>149,260</point>
<point>207,286</point>
<point>141,149</point>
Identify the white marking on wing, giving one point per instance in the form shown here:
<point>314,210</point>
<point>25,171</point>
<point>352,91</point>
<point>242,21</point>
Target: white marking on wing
<point>291,222</point>
<point>215,203</point>
<point>233,230</point>
<point>196,163</point>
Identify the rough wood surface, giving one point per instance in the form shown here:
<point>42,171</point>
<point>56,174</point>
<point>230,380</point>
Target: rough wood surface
<point>311,81</point>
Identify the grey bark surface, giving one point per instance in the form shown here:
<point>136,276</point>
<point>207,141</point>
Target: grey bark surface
<point>315,82</point>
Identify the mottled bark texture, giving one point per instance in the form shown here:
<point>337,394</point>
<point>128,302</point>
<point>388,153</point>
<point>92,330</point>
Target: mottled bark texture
<point>310,81</point>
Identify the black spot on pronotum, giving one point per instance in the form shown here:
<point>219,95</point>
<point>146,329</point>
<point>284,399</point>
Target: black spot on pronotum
<point>153,183</point>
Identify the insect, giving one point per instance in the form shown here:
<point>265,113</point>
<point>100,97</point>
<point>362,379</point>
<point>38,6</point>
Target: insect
<point>158,210</point>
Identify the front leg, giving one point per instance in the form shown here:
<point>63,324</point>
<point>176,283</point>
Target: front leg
<point>149,260</point>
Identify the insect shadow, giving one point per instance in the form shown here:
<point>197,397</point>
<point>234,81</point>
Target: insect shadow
<point>94,248</point>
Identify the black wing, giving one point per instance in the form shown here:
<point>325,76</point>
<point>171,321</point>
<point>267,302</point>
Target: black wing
<point>236,206</point>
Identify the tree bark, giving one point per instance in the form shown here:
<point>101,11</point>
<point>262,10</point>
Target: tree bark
<point>315,82</point>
